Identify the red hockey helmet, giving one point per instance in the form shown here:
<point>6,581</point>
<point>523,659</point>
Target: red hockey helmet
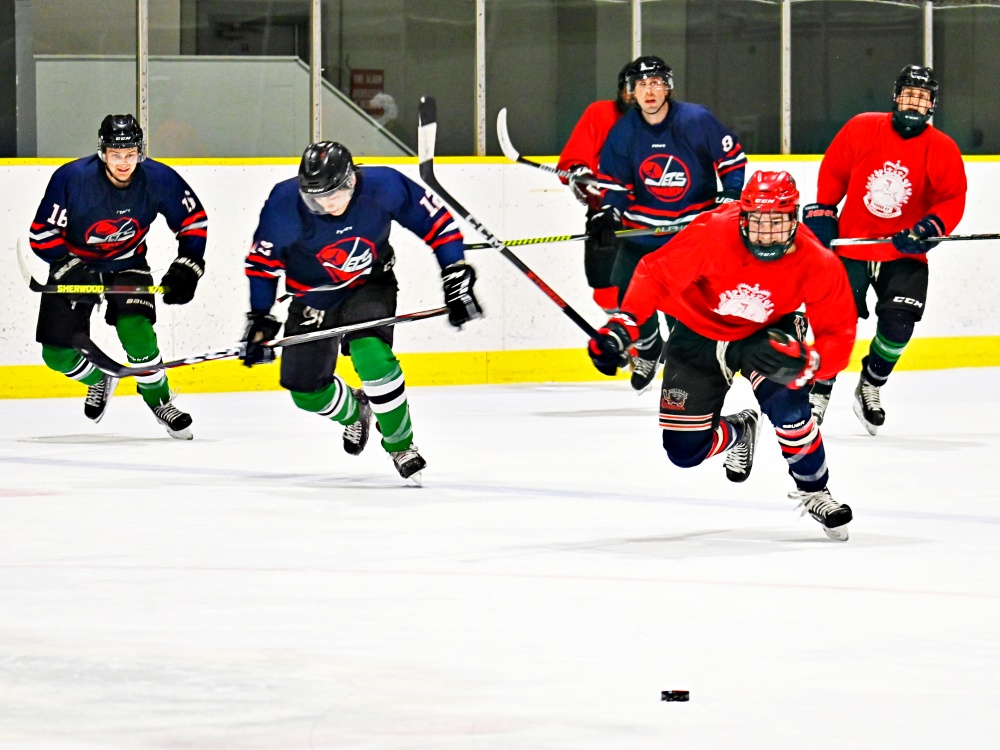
<point>769,214</point>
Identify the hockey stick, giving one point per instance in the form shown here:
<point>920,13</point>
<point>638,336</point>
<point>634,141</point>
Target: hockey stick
<point>625,233</point>
<point>512,153</point>
<point>944,238</point>
<point>93,354</point>
<point>37,286</point>
<point>426,136</point>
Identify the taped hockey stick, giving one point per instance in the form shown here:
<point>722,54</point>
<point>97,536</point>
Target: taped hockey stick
<point>37,286</point>
<point>426,136</point>
<point>944,238</point>
<point>93,354</point>
<point>624,233</point>
<point>512,153</point>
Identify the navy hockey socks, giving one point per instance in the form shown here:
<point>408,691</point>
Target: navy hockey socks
<point>71,364</point>
<point>382,380</point>
<point>139,341</point>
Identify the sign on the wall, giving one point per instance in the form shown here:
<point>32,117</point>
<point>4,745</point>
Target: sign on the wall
<point>366,84</point>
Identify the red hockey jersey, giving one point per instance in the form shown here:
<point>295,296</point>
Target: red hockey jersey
<point>588,136</point>
<point>890,182</point>
<point>706,278</point>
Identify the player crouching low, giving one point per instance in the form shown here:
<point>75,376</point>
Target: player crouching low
<point>328,231</point>
<point>736,312</point>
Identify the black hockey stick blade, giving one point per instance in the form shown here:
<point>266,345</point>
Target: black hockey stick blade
<point>426,136</point>
<point>514,155</point>
<point>943,238</point>
<point>93,353</point>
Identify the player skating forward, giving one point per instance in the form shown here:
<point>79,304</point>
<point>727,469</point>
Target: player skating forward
<point>328,232</point>
<point>668,154</point>
<point>902,178</point>
<point>581,156</point>
<point>91,228</point>
<point>733,280</point>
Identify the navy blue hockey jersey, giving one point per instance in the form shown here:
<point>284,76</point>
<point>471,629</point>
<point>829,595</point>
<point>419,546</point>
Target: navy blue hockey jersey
<point>82,213</point>
<point>324,257</point>
<point>670,169</point>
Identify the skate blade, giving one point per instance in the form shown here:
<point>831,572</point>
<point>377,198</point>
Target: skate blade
<point>859,413</point>
<point>417,478</point>
<point>184,434</point>
<point>839,534</point>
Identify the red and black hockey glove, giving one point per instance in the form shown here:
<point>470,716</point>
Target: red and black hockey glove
<point>777,356</point>
<point>580,181</point>
<point>916,241</point>
<point>601,228</point>
<point>822,221</point>
<point>261,327</point>
<point>609,349</point>
<point>181,279</point>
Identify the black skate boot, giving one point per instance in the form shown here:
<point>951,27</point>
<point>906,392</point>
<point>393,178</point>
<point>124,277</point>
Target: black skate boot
<point>98,396</point>
<point>178,423</point>
<point>819,399</point>
<point>408,463</point>
<point>643,368</point>
<point>832,516</point>
<point>356,434</point>
<point>739,458</point>
<point>867,406</point>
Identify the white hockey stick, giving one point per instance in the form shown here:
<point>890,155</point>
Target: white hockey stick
<point>512,153</point>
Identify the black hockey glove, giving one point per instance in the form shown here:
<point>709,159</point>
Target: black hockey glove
<point>609,349</point>
<point>74,271</point>
<point>601,228</point>
<point>458,279</point>
<point>261,327</point>
<point>822,221</point>
<point>586,192</point>
<point>181,279</point>
<point>915,241</point>
<point>727,195</point>
<point>777,356</point>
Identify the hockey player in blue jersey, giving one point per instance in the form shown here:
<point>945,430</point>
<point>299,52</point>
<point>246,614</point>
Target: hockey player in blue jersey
<point>668,154</point>
<point>91,229</point>
<point>328,232</point>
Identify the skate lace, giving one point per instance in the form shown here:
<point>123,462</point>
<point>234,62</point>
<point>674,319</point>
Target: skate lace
<point>821,502</point>
<point>818,399</point>
<point>167,412</point>
<point>869,394</point>
<point>95,394</point>
<point>736,457</point>
<point>403,457</point>
<point>643,367</point>
<point>353,432</point>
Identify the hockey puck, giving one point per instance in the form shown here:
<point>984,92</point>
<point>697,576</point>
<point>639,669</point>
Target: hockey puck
<point>675,695</point>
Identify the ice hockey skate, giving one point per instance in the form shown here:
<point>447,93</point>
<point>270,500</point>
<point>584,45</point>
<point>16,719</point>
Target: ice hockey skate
<point>867,406</point>
<point>98,396</point>
<point>178,423</point>
<point>819,399</point>
<point>739,458</point>
<point>832,516</point>
<point>643,369</point>
<point>408,463</point>
<point>356,434</point>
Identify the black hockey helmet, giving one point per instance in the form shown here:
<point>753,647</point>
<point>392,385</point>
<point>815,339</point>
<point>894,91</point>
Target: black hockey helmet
<point>918,77</point>
<point>120,131</point>
<point>648,66</point>
<point>326,167</point>
<point>769,192</point>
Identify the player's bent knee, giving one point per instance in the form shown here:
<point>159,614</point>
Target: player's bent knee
<point>897,325</point>
<point>687,449</point>
<point>313,401</point>
<point>59,358</point>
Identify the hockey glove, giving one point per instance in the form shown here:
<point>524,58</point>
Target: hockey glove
<point>915,241</point>
<point>261,327</point>
<point>728,195</point>
<point>777,356</point>
<point>609,349</point>
<point>822,220</point>
<point>601,228</point>
<point>181,279</point>
<point>73,271</point>
<point>463,306</point>
<point>586,192</point>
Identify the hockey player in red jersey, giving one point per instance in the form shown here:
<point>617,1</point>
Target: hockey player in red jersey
<point>899,178</point>
<point>581,156</point>
<point>733,280</point>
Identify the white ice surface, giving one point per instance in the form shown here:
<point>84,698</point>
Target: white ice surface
<point>258,588</point>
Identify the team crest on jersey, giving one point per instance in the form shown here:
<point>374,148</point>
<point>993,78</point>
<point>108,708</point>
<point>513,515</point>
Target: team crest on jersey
<point>748,302</point>
<point>889,189</point>
<point>112,231</point>
<point>347,260</point>
<point>665,176</point>
<point>673,399</point>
